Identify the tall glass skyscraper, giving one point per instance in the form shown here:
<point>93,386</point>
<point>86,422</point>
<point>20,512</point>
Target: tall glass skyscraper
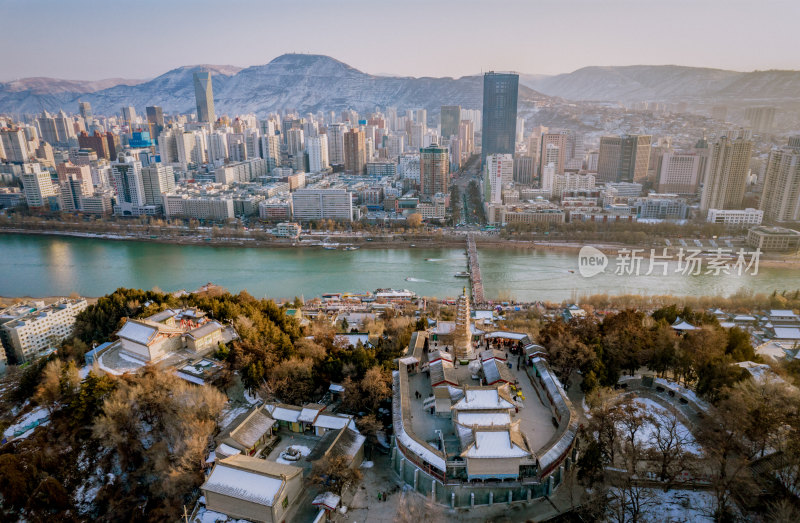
<point>450,120</point>
<point>204,95</point>
<point>499,113</point>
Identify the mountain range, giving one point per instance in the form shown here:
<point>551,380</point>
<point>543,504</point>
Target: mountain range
<point>668,83</point>
<point>308,83</point>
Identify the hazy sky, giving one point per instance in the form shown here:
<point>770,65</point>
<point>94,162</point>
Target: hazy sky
<point>93,39</point>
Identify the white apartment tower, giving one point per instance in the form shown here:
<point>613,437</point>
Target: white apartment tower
<point>726,179</point>
<point>336,132</point>
<point>780,200</point>
<point>317,147</point>
<point>499,171</point>
<point>37,185</point>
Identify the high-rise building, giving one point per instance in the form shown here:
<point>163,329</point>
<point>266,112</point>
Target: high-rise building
<point>623,158</point>
<point>14,145</point>
<point>553,150</point>
<point>726,178</point>
<point>65,127</point>
<point>47,128</point>
<point>780,200</point>
<point>395,144</point>
<point>416,134</point>
<point>317,147</point>
<point>355,151</point>
<point>271,150</point>
<point>322,204</point>
<point>336,132</point>
<point>466,134</point>
<point>85,110</point>
<point>155,115</point>
<point>37,186</point>
<point>75,182</point>
<point>760,118</point>
<point>450,120</point>
<point>499,113</point>
<point>157,180</point>
<point>128,184</point>
<point>680,173</point>
<point>499,172</point>
<point>434,170</point>
<point>155,119</point>
<point>523,169</point>
<point>204,97</point>
<point>129,115</point>
<point>295,142</point>
<point>114,145</point>
<point>421,117</point>
<point>217,148</point>
<point>97,142</point>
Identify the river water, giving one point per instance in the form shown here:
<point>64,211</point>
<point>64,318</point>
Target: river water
<point>32,265</point>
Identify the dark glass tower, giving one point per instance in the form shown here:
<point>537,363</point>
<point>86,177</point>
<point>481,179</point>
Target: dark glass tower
<point>204,96</point>
<point>450,120</point>
<point>499,113</point>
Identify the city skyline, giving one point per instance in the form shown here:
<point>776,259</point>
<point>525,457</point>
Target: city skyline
<point>530,42</point>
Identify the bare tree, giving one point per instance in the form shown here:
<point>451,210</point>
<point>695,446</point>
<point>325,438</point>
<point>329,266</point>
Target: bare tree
<point>334,473</point>
<point>668,446</point>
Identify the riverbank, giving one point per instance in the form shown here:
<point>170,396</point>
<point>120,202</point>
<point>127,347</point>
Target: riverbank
<point>395,241</point>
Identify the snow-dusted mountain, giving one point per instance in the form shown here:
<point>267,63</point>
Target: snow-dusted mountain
<point>668,82</point>
<point>297,81</point>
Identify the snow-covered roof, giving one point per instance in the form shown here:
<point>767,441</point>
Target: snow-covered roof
<point>190,378</point>
<point>744,317</point>
<point>494,444</point>
<point>328,500</point>
<point>204,330</point>
<point>137,332</point>
<point>495,370</point>
<point>483,399</point>
<point>243,485</point>
<point>352,338</point>
<point>286,413</point>
<point>727,324</point>
<point>787,333</point>
<point>484,419</point>
<point>508,335</point>
<point>309,413</point>
<point>336,387</point>
<point>401,417</point>
<point>252,428</point>
<point>225,451</point>
<point>682,325</point>
<point>782,313</point>
<point>408,360</point>
<point>331,421</point>
<point>442,371</point>
<point>483,315</point>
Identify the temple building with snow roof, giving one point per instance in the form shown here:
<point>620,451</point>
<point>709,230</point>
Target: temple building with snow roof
<point>476,427</point>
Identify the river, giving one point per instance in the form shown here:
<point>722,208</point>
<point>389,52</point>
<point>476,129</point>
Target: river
<point>37,266</point>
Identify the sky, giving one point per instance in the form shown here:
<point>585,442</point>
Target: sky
<point>95,39</point>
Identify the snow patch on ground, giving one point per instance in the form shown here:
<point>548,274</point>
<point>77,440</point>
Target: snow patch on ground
<point>25,426</point>
<point>646,435</point>
<point>681,506</point>
<point>252,400</point>
<point>367,465</point>
<point>304,451</point>
<point>209,516</point>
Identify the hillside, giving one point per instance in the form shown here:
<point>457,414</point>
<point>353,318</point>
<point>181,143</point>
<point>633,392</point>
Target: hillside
<point>297,81</point>
<point>668,82</point>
